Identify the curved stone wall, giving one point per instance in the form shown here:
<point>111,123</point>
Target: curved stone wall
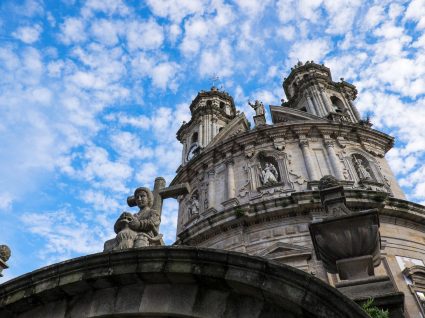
<point>172,282</point>
<point>230,173</point>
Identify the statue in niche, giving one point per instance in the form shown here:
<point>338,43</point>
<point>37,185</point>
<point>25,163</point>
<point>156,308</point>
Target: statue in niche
<point>258,107</point>
<point>193,206</point>
<point>139,229</point>
<point>269,174</point>
<point>361,168</point>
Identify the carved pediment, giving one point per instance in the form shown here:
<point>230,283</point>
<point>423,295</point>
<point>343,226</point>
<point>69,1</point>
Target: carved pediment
<point>285,114</point>
<point>237,126</point>
<point>283,250</point>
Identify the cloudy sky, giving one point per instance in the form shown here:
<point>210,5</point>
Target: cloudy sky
<point>92,94</point>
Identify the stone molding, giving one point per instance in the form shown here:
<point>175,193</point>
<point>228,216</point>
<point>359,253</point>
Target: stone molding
<point>170,281</point>
<point>247,142</point>
<point>264,210</point>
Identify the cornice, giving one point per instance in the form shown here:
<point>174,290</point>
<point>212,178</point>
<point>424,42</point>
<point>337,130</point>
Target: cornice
<point>277,135</point>
<point>300,205</point>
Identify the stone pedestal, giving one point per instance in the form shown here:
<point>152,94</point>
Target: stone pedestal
<point>355,267</point>
<point>260,120</point>
<point>348,244</point>
<point>380,288</point>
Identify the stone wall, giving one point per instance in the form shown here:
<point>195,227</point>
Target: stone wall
<point>170,282</point>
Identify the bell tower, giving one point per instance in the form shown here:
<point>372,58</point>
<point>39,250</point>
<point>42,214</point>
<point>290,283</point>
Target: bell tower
<point>211,111</point>
<point>309,87</point>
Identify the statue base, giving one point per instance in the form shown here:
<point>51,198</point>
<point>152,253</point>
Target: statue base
<point>260,120</point>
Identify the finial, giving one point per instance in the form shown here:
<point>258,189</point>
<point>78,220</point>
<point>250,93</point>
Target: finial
<point>327,182</point>
<point>4,253</point>
<point>214,78</point>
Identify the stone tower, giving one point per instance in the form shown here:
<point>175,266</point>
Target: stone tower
<point>211,112</point>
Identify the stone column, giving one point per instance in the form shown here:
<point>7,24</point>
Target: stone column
<point>308,160</point>
<point>230,178</point>
<point>325,99</point>
<point>355,111</point>
<point>211,188</point>
<point>214,127</point>
<point>311,105</point>
<point>336,167</point>
<point>184,152</point>
<point>205,130</point>
<point>200,134</point>
<point>319,104</point>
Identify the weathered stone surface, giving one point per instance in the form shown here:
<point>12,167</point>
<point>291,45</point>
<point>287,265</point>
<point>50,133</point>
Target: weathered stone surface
<point>220,278</point>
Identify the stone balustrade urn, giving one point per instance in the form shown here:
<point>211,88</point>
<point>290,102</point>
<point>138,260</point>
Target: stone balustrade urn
<point>348,243</point>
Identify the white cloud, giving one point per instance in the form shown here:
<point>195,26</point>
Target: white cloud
<point>213,63</point>
<point>109,7</point>
<point>374,16</point>
<point>65,234</point>
<point>163,75</point>
<point>146,35</point>
<point>73,31</point>
<point>6,201</point>
<point>128,146</point>
<point>309,50</point>
<point>416,12</point>
<point>176,10</point>
<point>105,31</point>
<point>29,34</point>
<point>103,172</point>
<point>101,202</point>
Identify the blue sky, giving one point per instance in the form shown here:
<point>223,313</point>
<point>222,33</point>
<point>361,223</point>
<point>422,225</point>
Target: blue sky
<point>92,94</point>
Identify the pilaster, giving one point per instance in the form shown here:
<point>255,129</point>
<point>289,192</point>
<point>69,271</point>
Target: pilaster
<point>211,188</point>
<point>230,178</point>
<point>336,167</point>
<point>304,145</point>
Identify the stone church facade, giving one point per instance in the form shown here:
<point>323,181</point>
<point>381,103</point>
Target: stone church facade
<point>301,217</point>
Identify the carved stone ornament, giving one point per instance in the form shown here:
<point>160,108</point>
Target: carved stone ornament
<point>139,229</point>
<point>269,174</point>
<point>279,143</point>
<point>328,182</point>
<point>4,257</point>
<point>4,253</point>
<point>193,206</point>
<point>361,168</point>
<point>249,151</point>
<point>348,242</point>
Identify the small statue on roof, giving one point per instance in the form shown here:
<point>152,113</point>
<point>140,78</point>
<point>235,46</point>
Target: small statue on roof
<point>258,107</point>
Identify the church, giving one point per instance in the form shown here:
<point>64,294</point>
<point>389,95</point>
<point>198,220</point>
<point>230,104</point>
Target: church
<point>300,217</point>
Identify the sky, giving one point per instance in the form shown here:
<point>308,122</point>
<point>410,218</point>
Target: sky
<point>92,94</point>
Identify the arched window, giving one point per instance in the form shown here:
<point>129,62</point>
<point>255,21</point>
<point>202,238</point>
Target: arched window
<point>195,137</point>
<point>337,104</point>
<point>222,105</point>
<point>209,102</point>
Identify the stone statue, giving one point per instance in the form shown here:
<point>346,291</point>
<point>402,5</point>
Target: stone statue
<point>193,206</point>
<point>361,169</point>
<point>139,229</point>
<point>269,174</point>
<point>258,107</point>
